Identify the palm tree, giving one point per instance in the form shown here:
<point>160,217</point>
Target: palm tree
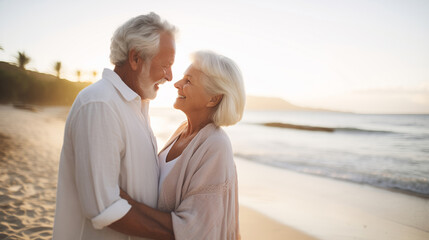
<point>78,75</point>
<point>22,60</point>
<point>58,69</point>
<point>94,73</point>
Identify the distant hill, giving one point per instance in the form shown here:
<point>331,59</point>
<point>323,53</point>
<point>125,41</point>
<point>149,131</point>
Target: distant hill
<point>28,87</point>
<point>271,103</point>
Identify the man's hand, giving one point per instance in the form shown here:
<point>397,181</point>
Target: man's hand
<point>127,197</point>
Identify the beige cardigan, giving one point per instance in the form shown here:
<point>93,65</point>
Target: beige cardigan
<point>201,189</point>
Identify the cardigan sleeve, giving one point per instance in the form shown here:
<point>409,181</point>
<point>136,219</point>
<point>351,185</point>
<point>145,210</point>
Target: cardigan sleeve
<point>207,210</point>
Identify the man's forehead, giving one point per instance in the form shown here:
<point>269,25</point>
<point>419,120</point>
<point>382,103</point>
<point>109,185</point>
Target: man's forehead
<point>167,41</point>
<point>167,48</point>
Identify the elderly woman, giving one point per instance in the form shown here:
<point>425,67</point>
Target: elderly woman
<point>198,195</point>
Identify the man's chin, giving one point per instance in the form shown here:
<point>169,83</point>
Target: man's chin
<point>150,96</point>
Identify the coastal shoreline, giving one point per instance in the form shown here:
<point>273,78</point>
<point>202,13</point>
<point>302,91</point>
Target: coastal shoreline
<point>330,209</point>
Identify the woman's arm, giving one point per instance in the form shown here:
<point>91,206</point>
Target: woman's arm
<point>162,218</point>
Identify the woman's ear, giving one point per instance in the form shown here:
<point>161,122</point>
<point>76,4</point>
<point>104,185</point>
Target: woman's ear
<point>215,100</point>
<point>134,59</point>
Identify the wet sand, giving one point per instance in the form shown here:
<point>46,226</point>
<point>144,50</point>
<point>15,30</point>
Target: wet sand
<point>256,226</point>
<point>329,209</point>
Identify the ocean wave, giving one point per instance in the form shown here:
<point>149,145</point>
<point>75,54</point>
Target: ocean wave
<point>322,129</point>
<point>410,185</point>
<point>357,130</point>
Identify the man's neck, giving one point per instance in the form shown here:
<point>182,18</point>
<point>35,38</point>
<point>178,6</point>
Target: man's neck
<point>129,77</point>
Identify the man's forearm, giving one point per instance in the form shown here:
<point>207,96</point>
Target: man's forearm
<point>162,218</point>
<point>137,223</point>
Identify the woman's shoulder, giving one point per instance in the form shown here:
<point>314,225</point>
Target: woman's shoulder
<point>218,137</point>
<point>219,146</point>
<point>214,154</point>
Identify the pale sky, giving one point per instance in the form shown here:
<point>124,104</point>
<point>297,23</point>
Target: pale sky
<point>366,56</point>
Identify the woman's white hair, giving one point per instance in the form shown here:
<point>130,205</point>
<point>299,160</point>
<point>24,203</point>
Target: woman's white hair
<point>222,77</point>
<point>141,33</point>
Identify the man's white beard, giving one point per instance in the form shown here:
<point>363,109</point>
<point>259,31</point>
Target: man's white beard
<point>148,86</point>
<point>149,92</point>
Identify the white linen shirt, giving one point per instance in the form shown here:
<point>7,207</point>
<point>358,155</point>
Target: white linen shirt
<point>108,144</point>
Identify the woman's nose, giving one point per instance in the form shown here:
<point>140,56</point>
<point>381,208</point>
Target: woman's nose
<point>178,84</point>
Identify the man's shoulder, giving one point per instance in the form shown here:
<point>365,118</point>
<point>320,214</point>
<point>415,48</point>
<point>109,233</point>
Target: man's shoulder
<point>100,91</point>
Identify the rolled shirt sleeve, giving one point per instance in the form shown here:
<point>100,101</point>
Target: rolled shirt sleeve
<point>97,145</point>
<point>111,214</point>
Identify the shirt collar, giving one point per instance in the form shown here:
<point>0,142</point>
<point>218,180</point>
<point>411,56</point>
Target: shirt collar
<point>117,82</point>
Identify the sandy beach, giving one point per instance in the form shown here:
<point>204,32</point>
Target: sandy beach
<point>29,153</point>
<point>255,226</point>
<point>274,203</point>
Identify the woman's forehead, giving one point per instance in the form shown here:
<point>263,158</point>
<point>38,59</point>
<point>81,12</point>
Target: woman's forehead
<point>192,70</point>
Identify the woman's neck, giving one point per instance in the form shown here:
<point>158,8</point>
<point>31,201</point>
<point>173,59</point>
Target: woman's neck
<point>195,124</point>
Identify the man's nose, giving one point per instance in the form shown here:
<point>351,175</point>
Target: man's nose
<point>168,74</point>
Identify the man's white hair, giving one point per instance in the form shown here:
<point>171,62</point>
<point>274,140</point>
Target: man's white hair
<point>141,33</point>
<point>223,77</point>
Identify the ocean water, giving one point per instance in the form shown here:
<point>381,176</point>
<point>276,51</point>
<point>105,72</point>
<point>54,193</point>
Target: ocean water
<point>387,151</point>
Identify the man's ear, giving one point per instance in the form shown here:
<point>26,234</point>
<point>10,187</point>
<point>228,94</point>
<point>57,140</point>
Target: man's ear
<point>134,59</point>
<point>215,100</point>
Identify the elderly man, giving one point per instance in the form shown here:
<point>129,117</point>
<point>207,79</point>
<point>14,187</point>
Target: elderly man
<point>108,141</point>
